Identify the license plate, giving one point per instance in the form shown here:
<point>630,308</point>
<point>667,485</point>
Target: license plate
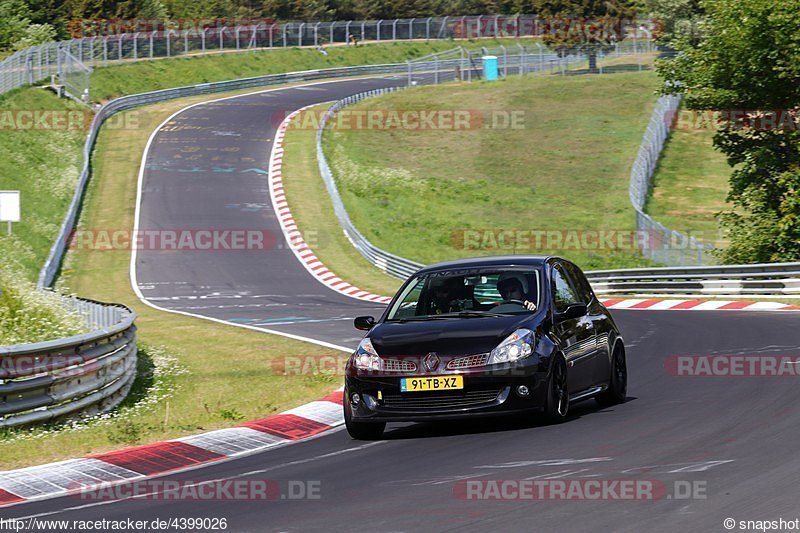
<point>432,383</point>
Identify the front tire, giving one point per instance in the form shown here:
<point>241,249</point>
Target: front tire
<point>361,430</point>
<point>556,406</point>
<point>618,382</point>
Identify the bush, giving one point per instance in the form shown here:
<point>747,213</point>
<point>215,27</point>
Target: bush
<point>28,315</point>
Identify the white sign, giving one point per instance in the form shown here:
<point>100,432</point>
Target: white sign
<point>9,206</point>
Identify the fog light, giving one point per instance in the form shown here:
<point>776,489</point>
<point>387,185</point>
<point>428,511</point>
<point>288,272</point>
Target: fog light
<point>355,399</point>
<point>523,391</point>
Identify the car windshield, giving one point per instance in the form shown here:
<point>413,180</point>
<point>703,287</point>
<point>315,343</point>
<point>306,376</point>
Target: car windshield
<point>468,293</point>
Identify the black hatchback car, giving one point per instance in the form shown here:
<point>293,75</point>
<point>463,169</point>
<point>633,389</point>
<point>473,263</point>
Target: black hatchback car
<point>484,336</point>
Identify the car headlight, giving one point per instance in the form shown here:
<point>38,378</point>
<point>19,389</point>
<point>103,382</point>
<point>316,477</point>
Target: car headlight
<point>366,358</point>
<point>516,346</point>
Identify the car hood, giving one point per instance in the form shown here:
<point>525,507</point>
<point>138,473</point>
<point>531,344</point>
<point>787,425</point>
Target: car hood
<point>447,337</point>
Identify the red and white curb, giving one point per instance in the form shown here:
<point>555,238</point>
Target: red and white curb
<point>293,236</point>
<point>131,464</point>
<point>696,305</point>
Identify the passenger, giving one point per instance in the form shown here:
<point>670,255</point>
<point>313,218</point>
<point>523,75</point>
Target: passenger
<point>512,287</point>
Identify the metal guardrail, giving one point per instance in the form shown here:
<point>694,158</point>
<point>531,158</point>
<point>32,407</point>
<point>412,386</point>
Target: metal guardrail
<point>764,279</point>
<point>79,375</point>
<point>391,264</point>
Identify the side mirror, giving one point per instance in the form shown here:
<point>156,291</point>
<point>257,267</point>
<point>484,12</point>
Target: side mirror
<point>572,311</point>
<point>365,322</point>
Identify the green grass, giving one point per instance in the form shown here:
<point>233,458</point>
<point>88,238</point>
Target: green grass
<point>690,185</point>
<point>411,192</point>
<point>44,166</point>
<point>129,78</point>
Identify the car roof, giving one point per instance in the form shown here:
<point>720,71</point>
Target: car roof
<point>489,261</point>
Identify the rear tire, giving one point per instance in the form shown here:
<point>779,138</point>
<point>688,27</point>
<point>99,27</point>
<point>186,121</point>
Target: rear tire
<point>618,382</point>
<point>556,406</point>
<point>362,430</point>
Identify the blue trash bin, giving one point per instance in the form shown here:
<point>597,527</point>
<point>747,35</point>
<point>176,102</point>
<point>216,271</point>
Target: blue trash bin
<point>490,67</point>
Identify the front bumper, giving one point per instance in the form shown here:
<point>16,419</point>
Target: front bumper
<point>485,393</point>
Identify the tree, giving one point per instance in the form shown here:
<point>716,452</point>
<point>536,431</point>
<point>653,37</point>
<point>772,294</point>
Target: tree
<point>748,66</point>
<point>677,20</point>
<point>590,25</point>
<point>35,34</point>
<point>14,18</point>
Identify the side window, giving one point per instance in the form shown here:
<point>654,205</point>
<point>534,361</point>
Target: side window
<point>563,293</point>
<point>579,281</point>
<point>486,291</point>
<point>408,306</point>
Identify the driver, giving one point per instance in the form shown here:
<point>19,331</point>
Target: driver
<point>512,287</point>
<point>445,297</point>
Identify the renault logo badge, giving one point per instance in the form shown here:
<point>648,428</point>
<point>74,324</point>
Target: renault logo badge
<point>431,361</point>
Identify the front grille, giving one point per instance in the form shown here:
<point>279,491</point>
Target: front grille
<point>469,361</point>
<point>440,400</point>
<point>399,365</point>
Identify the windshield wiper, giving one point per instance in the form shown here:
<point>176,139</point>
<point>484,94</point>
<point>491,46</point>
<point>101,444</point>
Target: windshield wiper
<point>472,314</point>
<point>419,318</point>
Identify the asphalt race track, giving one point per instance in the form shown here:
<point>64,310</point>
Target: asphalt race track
<point>732,439</point>
<point>207,168</point>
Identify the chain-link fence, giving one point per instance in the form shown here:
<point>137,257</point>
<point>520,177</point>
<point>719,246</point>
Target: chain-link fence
<point>662,245</point>
<point>74,76</point>
<point>517,59</point>
<point>41,62</point>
